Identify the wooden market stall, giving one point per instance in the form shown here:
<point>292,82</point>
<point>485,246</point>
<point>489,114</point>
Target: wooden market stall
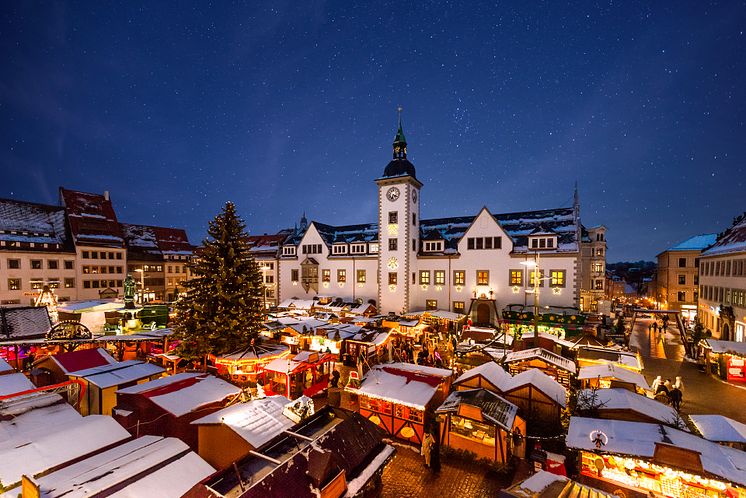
<point>612,375</point>
<point>640,459</point>
<point>481,422</point>
<point>539,398</point>
<point>557,367</point>
<point>726,359</point>
<point>305,374</point>
<point>246,365</point>
<point>397,397</point>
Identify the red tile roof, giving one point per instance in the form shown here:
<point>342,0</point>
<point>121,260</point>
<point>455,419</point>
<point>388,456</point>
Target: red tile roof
<point>92,218</point>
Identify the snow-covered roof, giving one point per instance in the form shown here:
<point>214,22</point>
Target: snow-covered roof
<point>491,371</point>
<point>33,415</point>
<point>290,365</point>
<point>300,304</point>
<point>539,482</point>
<point>696,243</point>
<point>27,222</point>
<point>256,353</point>
<point>184,392</point>
<point>115,374</point>
<point>82,360</point>
<point>492,406</point>
<point>146,466</point>
<point>624,399</point>
<point>732,347</point>
<point>5,367</point>
<point>403,383</point>
<point>144,241</point>
<point>639,440</point>
<point>731,241</point>
<point>612,371</point>
<point>91,305</point>
<point>540,381</point>
<point>24,322</point>
<point>610,355</point>
<point>92,219</point>
<point>53,445</point>
<point>538,485</point>
<point>543,335</point>
<point>544,355</point>
<point>446,315</point>
<point>256,421</point>
<point>14,383</point>
<point>719,428</point>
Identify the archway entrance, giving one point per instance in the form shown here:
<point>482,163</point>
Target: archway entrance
<point>725,336</point>
<point>483,314</point>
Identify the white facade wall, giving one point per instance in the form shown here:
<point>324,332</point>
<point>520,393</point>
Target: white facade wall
<point>721,285</point>
<point>118,261</point>
<point>26,275</point>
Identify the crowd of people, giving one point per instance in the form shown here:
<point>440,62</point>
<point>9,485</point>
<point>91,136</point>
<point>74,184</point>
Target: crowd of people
<point>424,352</point>
<point>673,393</point>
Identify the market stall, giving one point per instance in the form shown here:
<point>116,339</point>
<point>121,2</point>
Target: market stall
<point>397,396</point>
<point>306,374</point>
<point>726,359</point>
<point>555,366</point>
<point>246,365</point>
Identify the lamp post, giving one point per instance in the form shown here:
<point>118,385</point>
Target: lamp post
<point>535,291</point>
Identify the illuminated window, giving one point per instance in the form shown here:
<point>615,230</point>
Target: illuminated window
<point>341,276</point>
<point>459,277</point>
<point>326,275</point>
<point>431,304</point>
<point>516,277</point>
<point>483,277</point>
<point>440,277</point>
<point>557,278</point>
<point>424,277</point>
<point>458,307</point>
<point>14,284</point>
<point>361,276</point>
<point>532,279</point>
<point>392,278</point>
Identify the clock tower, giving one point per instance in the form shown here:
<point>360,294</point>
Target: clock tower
<point>398,229</point>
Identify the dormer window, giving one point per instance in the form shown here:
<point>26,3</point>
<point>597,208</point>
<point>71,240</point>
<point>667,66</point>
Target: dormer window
<point>373,248</point>
<point>339,249</point>
<point>357,248</point>
<point>433,246</point>
<point>545,242</point>
<point>288,251</point>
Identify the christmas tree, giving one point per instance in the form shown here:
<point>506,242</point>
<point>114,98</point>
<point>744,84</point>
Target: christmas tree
<point>222,309</point>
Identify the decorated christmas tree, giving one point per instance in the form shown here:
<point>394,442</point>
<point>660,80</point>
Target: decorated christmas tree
<point>222,309</point>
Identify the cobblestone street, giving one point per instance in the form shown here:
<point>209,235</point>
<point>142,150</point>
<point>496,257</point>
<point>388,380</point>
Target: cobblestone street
<point>407,477</point>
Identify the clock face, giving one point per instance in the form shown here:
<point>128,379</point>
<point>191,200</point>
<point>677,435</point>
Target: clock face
<point>393,263</point>
<point>393,194</point>
<point>414,196</point>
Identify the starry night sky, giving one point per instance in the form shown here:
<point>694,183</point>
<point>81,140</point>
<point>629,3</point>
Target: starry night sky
<point>291,107</point>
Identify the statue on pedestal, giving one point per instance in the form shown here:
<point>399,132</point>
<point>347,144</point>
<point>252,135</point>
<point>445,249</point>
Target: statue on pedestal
<point>129,292</point>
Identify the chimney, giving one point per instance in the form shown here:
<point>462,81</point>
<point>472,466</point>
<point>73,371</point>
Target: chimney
<point>106,195</point>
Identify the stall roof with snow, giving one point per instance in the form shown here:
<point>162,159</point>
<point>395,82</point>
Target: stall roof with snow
<point>623,399</point>
<point>37,451</point>
<point>491,372</point>
<point>320,449</point>
<point>726,347</point>
<point>493,407</point>
<point>544,484</point>
<point>5,367</point>
<point>81,360</point>
<point>540,381</point>
<point>719,428</point>
<point>14,383</point>
<point>610,355</point>
<point>256,421</point>
<point>610,371</point>
<point>24,322</point>
<point>34,414</point>
<point>642,440</point>
<point>146,466</point>
<point>543,355</point>
<point>115,374</point>
<point>403,383</point>
<point>184,392</point>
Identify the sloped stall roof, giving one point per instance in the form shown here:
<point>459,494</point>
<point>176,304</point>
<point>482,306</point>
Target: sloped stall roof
<point>24,322</point>
<point>493,407</point>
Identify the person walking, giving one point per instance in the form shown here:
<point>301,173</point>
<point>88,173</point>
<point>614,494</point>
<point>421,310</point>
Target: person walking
<point>427,446</point>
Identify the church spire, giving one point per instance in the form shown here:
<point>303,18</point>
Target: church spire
<point>400,142</point>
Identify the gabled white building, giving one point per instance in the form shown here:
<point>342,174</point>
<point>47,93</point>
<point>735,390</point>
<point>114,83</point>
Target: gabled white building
<point>469,264</point>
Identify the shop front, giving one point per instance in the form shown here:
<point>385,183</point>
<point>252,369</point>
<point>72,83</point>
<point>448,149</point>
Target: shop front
<point>563,323</point>
<point>727,359</point>
<point>306,374</point>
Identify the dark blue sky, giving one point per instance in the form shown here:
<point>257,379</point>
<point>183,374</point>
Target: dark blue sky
<point>176,109</point>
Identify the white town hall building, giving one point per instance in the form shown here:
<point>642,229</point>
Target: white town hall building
<point>403,263</point>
